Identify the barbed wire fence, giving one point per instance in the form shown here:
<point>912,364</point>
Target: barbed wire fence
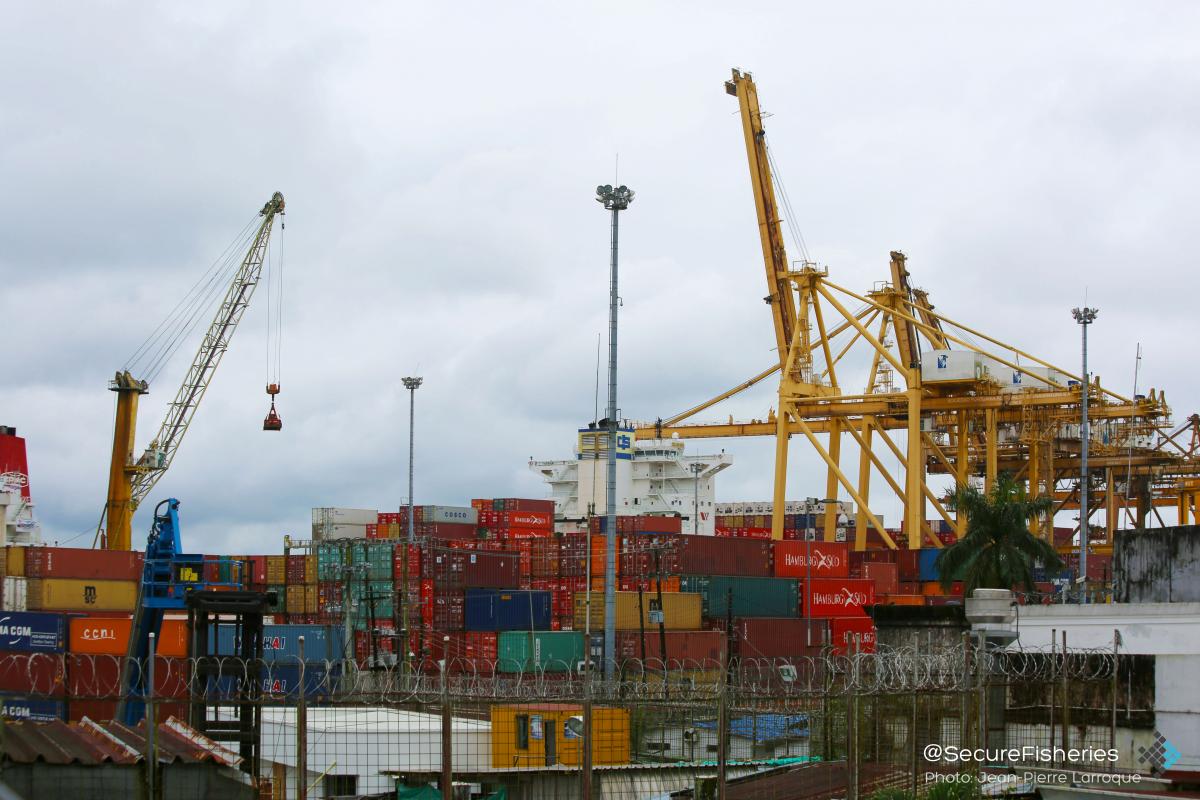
<point>826,725</point>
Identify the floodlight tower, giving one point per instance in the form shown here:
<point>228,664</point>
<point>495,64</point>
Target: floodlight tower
<point>614,200</point>
<point>1085,317</point>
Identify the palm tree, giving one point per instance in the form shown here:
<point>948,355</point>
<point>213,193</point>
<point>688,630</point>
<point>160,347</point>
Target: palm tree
<point>998,551</point>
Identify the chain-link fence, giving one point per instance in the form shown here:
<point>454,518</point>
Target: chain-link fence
<point>824,726</point>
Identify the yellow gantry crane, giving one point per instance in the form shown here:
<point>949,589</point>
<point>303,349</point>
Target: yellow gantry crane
<point>969,405</point>
<point>130,479</point>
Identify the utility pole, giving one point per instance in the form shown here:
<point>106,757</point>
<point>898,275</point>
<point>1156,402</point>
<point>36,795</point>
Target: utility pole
<point>614,200</point>
<point>1085,317</point>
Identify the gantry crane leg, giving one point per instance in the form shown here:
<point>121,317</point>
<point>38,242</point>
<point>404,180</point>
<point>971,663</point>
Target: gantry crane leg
<point>831,480</point>
<point>864,481</point>
<point>914,467</point>
<point>779,497</point>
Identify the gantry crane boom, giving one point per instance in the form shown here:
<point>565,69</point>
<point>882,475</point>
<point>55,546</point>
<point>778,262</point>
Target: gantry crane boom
<point>781,297</point>
<point>130,481</point>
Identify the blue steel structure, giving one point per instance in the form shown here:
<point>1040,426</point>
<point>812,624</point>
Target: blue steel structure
<point>169,576</point>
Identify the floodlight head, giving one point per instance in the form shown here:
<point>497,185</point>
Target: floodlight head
<point>412,383</point>
<point>1085,316</point>
<point>617,199</point>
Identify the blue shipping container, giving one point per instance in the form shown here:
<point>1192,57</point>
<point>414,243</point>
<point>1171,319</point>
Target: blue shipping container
<point>32,631</point>
<point>18,707</point>
<point>506,610</point>
<point>927,559</point>
<point>281,680</point>
<point>282,642</point>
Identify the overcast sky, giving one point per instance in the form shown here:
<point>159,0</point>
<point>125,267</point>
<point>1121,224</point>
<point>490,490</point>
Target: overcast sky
<point>439,163</point>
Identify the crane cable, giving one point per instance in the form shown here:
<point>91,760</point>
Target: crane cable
<point>789,216</point>
<point>274,269</point>
<point>156,350</point>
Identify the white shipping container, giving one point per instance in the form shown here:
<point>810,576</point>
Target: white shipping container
<point>15,594</point>
<point>329,532</point>
<point>464,515</point>
<point>344,516</point>
<point>943,366</point>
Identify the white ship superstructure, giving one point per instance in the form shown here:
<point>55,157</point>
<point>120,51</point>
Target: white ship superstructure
<point>654,476</point>
<point>17,522</point>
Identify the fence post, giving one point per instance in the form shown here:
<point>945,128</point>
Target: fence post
<point>1066,692</point>
<point>913,738</point>
<point>587,743</point>
<point>1053,692</point>
<point>852,754</point>
<point>1112,730</point>
<point>150,719</point>
<point>301,732</point>
<point>447,728</point>
<point>722,729</point>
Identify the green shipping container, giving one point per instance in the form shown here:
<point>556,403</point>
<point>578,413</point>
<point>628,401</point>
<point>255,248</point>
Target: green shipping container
<point>330,562</point>
<point>752,597</point>
<point>379,593</point>
<point>551,651</point>
<point>279,606</point>
<point>376,555</point>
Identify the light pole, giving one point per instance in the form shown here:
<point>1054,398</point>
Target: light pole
<point>412,384</point>
<point>696,470</point>
<point>1085,317</point>
<point>614,200</point>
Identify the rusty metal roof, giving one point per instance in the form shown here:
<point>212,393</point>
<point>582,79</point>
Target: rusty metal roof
<point>90,743</point>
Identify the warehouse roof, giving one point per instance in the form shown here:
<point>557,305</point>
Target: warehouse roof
<point>359,720</point>
<point>90,743</point>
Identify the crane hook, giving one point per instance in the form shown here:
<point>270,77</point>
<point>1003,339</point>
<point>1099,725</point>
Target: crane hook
<point>272,421</point>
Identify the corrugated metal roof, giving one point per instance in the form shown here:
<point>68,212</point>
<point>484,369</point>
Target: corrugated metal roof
<point>92,743</point>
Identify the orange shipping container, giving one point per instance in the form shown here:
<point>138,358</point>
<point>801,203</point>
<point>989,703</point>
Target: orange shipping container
<point>276,570</point>
<point>649,586</point>
<point>931,588</point>
<point>109,636</point>
<point>310,599</point>
<point>902,600</point>
<point>16,561</point>
<point>296,600</point>
<point>310,571</point>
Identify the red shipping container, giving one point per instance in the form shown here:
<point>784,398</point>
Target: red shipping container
<point>544,558</point>
<point>99,677</point>
<point>95,710</point>
<point>886,577</point>
<point>257,571</point>
<point>836,597</point>
<point>909,562</point>
<point>779,637</point>
<point>448,610</point>
<point>843,631</point>
<point>812,559</point>
<point>73,562</point>
<point>415,564</point>
<point>710,555</point>
<point>372,531</point>
<point>538,520</point>
<point>294,570</point>
<point>445,530</point>
<point>690,649</point>
<point>32,673</point>
<point>523,504</point>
